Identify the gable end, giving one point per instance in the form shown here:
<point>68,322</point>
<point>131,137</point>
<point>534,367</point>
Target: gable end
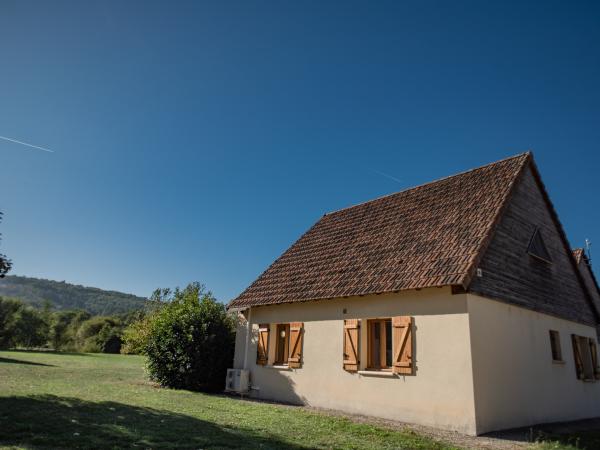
<point>513,275</point>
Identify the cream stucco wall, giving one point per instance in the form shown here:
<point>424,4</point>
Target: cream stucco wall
<point>441,392</point>
<point>515,381</point>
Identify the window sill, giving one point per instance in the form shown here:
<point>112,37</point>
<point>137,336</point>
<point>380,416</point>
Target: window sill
<point>278,367</point>
<point>558,361</point>
<point>377,373</point>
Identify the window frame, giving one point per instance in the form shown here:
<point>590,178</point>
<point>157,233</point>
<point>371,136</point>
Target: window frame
<point>555,346</point>
<point>286,344</point>
<point>381,365</point>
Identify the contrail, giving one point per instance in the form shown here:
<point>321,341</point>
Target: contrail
<point>386,175</point>
<point>26,144</point>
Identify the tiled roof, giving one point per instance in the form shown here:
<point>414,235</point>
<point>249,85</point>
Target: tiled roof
<point>430,235</point>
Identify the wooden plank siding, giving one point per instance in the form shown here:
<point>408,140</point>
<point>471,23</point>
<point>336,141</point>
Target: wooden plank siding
<point>510,274</point>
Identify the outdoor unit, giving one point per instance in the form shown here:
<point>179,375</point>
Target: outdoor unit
<point>237,380</point>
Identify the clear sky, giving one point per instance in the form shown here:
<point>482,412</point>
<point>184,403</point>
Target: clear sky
<point>197,141</point>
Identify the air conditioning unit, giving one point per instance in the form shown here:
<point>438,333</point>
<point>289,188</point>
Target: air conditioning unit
<point>237,380</point>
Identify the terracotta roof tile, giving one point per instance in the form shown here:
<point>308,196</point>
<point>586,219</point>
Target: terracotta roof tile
<point>426,236</point>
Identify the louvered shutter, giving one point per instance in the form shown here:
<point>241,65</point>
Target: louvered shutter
<point>296,338</point>
<point>578,357</point>
<point>262,350</point>
<point>594,353</point>
<point>402,330</point>
<point>351,332</point>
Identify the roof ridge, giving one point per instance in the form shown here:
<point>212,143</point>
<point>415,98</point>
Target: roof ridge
<point>419,186</point>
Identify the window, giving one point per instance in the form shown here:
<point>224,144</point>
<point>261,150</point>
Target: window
<point>586,358</point>
<point>537,248</point>
<point>282,343</point>
<point>388,343</point>
<point>555,346</point>
<point>262,347</point>
<point>379,352</point>
<point>282,346</point>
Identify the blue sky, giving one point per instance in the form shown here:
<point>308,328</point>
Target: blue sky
<point>197,141</point>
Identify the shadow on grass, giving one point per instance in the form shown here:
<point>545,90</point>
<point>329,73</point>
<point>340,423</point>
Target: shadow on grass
<point>49,352</point>
<point>20,361</point>
<point>61,422</point>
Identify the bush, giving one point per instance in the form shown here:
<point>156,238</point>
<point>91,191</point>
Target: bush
<point>100,334</point>
<point>191,341</point>
<point>136,336</point>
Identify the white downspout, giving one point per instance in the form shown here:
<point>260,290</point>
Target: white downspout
<point>248,334</point>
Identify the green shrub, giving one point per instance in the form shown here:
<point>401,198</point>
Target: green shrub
<point>109,339</point>
<point>191,341</point>
<point>100,334</point>
<point>136,336</point>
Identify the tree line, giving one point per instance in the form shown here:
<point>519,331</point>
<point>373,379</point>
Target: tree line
<point>25,326</point>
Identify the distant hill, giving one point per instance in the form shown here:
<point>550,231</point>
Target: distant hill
<point>65,296</point>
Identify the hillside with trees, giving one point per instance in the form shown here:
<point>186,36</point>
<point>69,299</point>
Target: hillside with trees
<point>63,296</point>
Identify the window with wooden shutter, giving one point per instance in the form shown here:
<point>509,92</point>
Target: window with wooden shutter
<point>262,349</point>
<point>282,343</point>
<point>402,331</point>
<point>594,354</point>
<point>351,336</point>
<point>296,338</point>
<point>379,349</point>
<point>586,357</point>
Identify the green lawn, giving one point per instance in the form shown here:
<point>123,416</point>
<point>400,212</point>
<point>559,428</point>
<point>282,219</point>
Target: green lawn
<point>62,400</point>
<point>50,400</point>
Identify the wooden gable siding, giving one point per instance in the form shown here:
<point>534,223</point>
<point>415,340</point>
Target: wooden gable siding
<point>590,282</point>
<point>510,274</point>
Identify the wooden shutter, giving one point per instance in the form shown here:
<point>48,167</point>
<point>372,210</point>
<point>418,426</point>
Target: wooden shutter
<point>402,330</point>
<point>578,357</point>
<point>594,352</point>
<point>351,332</point>
<point>262,351</point>
<point>296,337</point>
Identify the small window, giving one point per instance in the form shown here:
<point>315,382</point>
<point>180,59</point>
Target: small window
<point>537,248</point>
<point>379,341</point>
<point>555,346</point>
<point>282,343</point>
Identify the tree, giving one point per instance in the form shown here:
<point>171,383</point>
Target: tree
<point>8,310</point>
<point>29,328</point>
<point>61,335</point>
<point>191,341</point>
<point>5,263</point>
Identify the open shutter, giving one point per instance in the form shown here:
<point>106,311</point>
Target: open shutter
<point>296,337</point>
<point>594,353</point>
<point>402,330</point>
<point>262,353</point>
<point>351,331</point>
<point>578,357</point>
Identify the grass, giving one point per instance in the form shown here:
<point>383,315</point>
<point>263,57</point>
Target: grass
<point>588,440</point>
<point>53,400</point>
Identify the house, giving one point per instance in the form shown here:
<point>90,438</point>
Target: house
<point>456,304</point>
